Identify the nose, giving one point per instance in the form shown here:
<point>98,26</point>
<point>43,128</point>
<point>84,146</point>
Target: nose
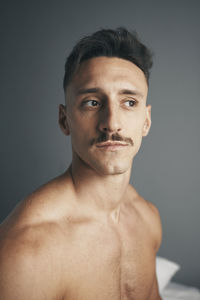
<point>109,119</point>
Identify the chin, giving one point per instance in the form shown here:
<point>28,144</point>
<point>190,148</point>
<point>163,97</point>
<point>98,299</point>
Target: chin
<point>106,165</point>
<point>111,169</point>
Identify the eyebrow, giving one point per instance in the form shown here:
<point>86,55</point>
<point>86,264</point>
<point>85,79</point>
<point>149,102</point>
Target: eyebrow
<point>99,90</point>
<point>89,91</point>
<point>130,92</point>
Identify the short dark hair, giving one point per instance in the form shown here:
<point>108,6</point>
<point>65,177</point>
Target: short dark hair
<point>110,43</point>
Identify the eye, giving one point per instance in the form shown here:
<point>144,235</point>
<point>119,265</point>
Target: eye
<point>130,103</point>
<point>91,103</point>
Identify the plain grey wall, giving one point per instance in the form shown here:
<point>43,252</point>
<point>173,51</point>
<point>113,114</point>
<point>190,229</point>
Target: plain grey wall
<point>36,36</point>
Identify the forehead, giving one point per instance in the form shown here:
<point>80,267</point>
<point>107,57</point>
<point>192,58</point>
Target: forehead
<point>109,73</point>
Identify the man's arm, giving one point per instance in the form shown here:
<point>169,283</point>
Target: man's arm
<point>26,269</point>
<point>156,228</point>
<point>155,291</point>
<point>158,234</point>
<point>19,280</point>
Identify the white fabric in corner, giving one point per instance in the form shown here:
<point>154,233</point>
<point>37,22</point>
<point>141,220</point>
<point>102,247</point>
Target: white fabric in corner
<point>165,270</point>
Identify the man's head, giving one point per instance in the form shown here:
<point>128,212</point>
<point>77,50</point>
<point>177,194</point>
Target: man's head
<point>106,86</point>
<point>110,43</point>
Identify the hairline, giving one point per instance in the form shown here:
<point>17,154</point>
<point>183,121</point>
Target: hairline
<point>108,56</point>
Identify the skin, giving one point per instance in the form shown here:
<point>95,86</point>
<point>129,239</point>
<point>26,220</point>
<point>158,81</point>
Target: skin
<point>88,234</point>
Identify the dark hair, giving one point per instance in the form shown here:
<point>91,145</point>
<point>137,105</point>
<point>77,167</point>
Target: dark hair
<point>111,43</point>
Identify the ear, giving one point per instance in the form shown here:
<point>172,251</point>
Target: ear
<point>63,119</point>
<point>147,123</point>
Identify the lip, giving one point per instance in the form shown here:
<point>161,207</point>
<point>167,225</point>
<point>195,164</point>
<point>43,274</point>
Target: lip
<point>112,146</point>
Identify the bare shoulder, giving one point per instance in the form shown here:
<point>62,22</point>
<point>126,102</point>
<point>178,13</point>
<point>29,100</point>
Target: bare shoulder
<point>150,215</point>
<point>31,244</point>
<point>29,262</point>
<point>47,203</point>
<point>38,217</point>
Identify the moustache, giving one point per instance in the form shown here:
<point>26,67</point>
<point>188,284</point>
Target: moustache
<point>104,137</point>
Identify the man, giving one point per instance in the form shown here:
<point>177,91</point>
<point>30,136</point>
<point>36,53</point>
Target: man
<point>88,234</point>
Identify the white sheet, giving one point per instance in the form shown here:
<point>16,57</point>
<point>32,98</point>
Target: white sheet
<point>176,291</point>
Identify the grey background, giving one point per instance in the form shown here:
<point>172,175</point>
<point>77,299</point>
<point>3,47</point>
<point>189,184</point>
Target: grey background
<point>36,36</point>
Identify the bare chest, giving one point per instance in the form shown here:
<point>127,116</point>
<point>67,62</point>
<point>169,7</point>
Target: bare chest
<point>107,264</point>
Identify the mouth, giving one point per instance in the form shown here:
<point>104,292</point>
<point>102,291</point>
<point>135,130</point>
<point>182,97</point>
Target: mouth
<point>111,146</point>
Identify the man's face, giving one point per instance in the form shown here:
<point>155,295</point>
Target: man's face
<point>106,113</point>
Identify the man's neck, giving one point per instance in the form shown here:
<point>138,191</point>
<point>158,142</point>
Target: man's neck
<point>102,194</point>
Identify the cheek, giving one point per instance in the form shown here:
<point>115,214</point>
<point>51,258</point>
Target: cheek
<point>81,122</point>
<point>81,138</point>
<point>135,132</point>
<point>81,133</point>
<point>135,125</point>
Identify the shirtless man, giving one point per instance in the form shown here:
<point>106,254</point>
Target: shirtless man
<point>87,234</point>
